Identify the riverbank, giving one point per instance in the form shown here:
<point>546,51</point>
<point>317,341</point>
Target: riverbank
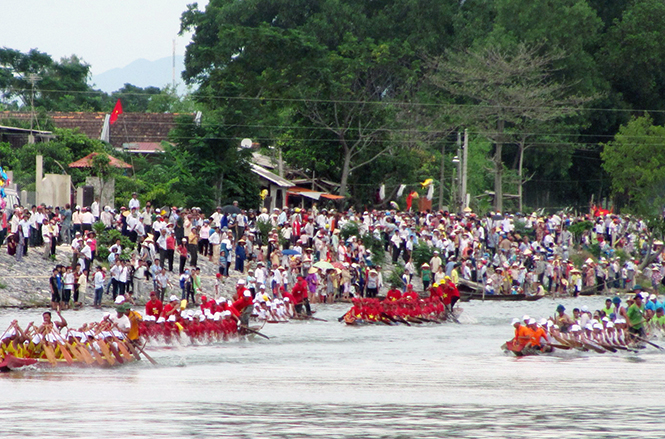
<point>25,284</point>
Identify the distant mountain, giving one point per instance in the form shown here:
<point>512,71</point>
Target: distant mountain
<point>142,73</point>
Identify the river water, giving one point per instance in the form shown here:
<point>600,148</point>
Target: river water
<point>328,380</point>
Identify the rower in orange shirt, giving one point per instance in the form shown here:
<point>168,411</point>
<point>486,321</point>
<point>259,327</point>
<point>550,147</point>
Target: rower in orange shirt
<point>537,333</point>
<point>522,335</point>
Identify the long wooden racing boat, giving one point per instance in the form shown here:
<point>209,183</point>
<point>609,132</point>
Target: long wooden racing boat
<point>99,353</point>
<point>507,297</point>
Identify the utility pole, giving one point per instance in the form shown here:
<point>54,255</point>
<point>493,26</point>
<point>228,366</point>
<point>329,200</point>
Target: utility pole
<point>33,78</point>
<point>460,194</point>
<point>173,65</point>
<point>465,162</point>
<point>443,161</point>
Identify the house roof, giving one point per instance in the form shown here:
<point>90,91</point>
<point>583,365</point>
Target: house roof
<point>314,195</point>
<point>143,147</point>
<point>86,162</point>
<point>130,127</point>
<point>18,137</point>
<point>274,178</point>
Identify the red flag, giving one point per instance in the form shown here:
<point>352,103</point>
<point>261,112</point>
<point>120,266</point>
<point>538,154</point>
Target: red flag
<point>117,111</point>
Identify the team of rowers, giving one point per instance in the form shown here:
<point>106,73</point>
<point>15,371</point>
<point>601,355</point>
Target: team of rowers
<point>118,334</point>
<point>111,340</point>
<point>614,327</point>
<point>407,307</point>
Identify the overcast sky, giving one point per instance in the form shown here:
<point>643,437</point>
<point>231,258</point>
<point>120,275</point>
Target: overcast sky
<point>106,34</point>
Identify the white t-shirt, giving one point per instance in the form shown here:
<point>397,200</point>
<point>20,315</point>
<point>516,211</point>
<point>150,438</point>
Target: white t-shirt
<point>123,322</point>
<point>99,280</point>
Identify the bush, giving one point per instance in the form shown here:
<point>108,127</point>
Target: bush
<point>580,227</point>
<point>376,246</point>
<point>102,253</point>
<point>421,253</point>
<point>98,228</point>
<point>594,249</point>
<point>520,228</point>
<point>107,238</point>
<point>395,278</point>
<point>264,229</point>
<point>350,229</point>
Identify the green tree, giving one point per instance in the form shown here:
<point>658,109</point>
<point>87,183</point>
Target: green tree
<point>635,160</point>
<point>133,98</point>
<point>633,56</point>
<point>564,25</point>
<point>317,77</point>
<point>209,166</point>
<point>168,101</point>
<point>62,86</point>
<point>69,145</point>
<point>508,89</point>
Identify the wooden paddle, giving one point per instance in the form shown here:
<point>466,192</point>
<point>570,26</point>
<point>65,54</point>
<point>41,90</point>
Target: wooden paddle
<point>647,341</point>
<point>63,350</point>
<point>97,356</point>
<point>608,347</point>
<point>254,331</point>
<point>386,316</point>
<point>401,320</point>
<point>50,354</point>
<point>594,347</point>
<point>83,353</point>
<point>74,353</point>
<point>145,354</point>
<point>317,319</point>
<point>133,349</point>
<point>123,349</point>
<point>106,351</point>
<point>449,313</point>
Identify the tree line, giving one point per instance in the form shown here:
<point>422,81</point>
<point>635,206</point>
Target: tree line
<point>370,92</point>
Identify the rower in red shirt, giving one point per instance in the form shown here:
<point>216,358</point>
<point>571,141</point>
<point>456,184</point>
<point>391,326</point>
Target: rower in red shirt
<point>171,308</point>
<point>206,304</point>
<point>154,306</point>
<point>409,294</point>
<point>287,295</point>
<point>393,295</point>
<point>301,296</point>
<point>436,292</point>
<point>243,302</point>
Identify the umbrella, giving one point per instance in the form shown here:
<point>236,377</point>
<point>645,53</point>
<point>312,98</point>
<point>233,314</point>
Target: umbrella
<point>230,208</point>
<point>338,265</point>
<point>324,265</point>
<point>290,252</point>
<point>497,217</point>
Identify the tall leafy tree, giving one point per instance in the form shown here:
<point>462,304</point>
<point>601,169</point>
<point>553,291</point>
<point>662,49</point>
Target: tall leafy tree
<point>506,89</point>
<point>62,85</point>
<point>134,99</point>
<point>209,166</point>
<point>635,160</point>
<point>633,55</point>
<point>337,66</point>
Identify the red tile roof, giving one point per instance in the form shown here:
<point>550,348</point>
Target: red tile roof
<point>143,147</point>
<point>130,127</point>
<point>86,162</point>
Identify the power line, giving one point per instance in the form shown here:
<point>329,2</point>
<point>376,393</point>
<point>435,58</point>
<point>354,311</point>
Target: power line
<point>360,102</point>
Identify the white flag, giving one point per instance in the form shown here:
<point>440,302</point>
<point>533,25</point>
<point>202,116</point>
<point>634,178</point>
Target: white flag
<point>430,192</point>
<point>105,129</point>
<point>400,191</point>
<point>382,192</point>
